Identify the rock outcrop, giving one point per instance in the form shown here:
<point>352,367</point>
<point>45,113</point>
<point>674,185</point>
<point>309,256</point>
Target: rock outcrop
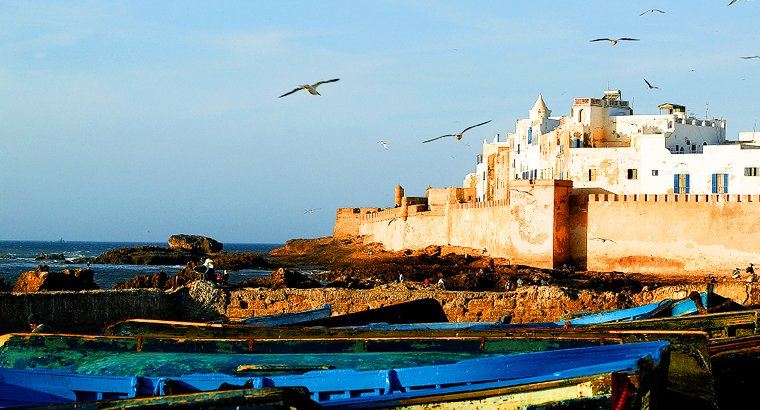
<point>42,279</point>
<point>205,301</point>
<point>42,256</point>
<point>5,286</point>
<point>144,255</point>
<point>195,244</point>
<point>286,278</point>
<point>155,281</point>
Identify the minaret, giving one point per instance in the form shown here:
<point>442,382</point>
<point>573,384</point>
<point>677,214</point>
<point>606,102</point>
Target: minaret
<point>539,109</point>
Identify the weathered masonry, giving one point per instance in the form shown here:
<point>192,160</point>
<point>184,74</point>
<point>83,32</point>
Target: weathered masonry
<point>544,224</point>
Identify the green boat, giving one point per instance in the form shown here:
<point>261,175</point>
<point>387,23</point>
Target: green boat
<point>689,370</point>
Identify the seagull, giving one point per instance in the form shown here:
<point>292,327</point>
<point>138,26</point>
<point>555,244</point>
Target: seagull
<point>312,89</point>
<point>311,210</point>
<point>651,87</point>
<point>522,192</point>
<point>614,41</point>
<point>732,2</point>
<point>603,240</point>
<point>749,57</point>
<point>457,136</point>
<point>383,143</point>
<point>652,11</point>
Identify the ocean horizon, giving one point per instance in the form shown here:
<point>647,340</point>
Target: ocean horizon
<point>17,257</point>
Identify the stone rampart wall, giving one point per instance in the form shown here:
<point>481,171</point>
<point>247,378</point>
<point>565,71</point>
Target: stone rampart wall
<point>86,310</point>
<point>666,233</point>
<point>523,230</point>
<point>526,304</point>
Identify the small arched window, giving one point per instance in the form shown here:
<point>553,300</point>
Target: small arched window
<point>581,112</point>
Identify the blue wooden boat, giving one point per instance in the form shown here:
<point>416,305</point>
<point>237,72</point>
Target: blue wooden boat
<point>532,378</point>
<point>621,315</point>
<point>287,319</point>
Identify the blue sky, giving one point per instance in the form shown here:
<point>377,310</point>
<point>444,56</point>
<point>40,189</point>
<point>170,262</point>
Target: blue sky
<point>135,120</point>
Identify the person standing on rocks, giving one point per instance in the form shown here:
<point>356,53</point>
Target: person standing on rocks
<point>401,278</point>
<point>441,284</point>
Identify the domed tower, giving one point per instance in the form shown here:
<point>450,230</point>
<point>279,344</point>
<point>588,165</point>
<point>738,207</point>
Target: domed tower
<point>399,194</point>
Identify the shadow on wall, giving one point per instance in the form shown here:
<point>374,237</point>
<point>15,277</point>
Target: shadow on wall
<point>579,225</point>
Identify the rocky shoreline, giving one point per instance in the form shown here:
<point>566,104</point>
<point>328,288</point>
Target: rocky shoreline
<point>349,263</point>
<point>352,275</point>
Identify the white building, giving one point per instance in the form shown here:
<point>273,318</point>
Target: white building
<point>601,145</point>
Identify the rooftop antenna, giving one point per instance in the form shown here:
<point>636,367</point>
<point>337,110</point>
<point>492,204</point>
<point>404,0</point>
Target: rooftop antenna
<point>707,109</point>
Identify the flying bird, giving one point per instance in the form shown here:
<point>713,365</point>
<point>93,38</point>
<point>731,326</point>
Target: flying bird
<point>311,210</point>
<point>614,41</point>
<point>652,11</point>
<point>749,57</point>
<point>732,2</point>
<point>522,192</point>
<point>312,89</point>
<point>603,240</point>
<point>651,87</point>
<point>383,143</point>
<point>457,136</point>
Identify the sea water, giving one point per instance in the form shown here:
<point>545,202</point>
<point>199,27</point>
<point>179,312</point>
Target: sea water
<point>17,257</point>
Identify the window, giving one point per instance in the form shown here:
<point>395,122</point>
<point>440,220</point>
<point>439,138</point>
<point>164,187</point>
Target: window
<point>592,174</point>
<point>681,150</point>
<point>633,174</point>
<point>750,172</point>
<point>518,148</point>
<point>681,183</point>
<point>719,183</point>
<point>530,136</point>
<point>655,172</point>
<point>693,147</point>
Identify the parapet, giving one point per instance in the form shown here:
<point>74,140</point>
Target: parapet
<point>668,198</point>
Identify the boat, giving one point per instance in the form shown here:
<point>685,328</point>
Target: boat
<point>416,311</point>
<point>622,375</point>
<point>295,349</point>
<point>735,361</point>
<point>265,398</point>
<point>621,315</point>
<point>287,319</point>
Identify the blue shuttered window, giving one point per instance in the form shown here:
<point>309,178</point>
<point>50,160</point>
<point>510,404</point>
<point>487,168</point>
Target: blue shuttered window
<point>719,183</point>
<point>681,183</point>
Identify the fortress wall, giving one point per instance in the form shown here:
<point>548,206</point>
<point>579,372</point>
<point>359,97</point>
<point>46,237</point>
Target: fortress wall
<point>347,221</point>
<point>524,230</point>
<point>661,233</point>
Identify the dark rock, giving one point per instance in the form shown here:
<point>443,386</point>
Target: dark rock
<point>240,260</point>
<point>195,244</point>
<point>156,280</point>
<point>144,255</point>
<point>5,286</point>
<point>52,257</point>
<point>42,279</point>
<point>286,278</point>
